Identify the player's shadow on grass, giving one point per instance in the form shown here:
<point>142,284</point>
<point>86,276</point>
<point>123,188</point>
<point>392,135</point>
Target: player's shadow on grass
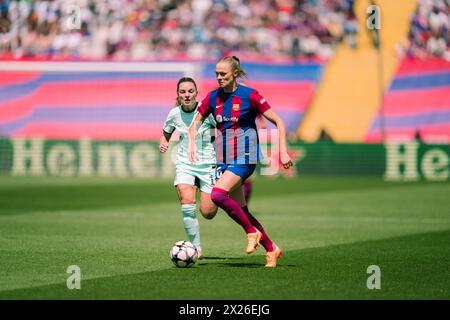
<point>242,265</point>
<point>220,258</point>
<point>232,264</point>
<point>224,262</point>
<point>250,265</point>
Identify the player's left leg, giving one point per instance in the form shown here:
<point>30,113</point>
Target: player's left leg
<point>266,242</point>
<point>207,179</point>
<point>272,257</point>
<point>273,252</point>
<point>208,210</point>
<point>186,194</point>
<point>247,189</point>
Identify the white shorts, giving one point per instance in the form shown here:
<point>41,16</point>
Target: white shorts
<point>202,175</point>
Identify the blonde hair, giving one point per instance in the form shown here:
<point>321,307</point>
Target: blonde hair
<point>235,64</point>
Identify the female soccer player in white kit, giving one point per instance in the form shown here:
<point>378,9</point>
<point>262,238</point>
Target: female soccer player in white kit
<point>189,176</point>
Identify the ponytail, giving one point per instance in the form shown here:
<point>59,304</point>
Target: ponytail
<point>235,65</point>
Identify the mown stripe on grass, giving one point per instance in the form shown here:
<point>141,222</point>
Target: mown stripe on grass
<point>412,267</point>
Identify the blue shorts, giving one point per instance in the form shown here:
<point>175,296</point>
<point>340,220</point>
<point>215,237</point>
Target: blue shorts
<point>242,170</point>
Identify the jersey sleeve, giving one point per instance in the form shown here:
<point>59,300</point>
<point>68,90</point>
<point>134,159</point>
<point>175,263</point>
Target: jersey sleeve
<point>169,125</point>
<point>258,102</point>
<point>205,108</point>
<point>212,121</point>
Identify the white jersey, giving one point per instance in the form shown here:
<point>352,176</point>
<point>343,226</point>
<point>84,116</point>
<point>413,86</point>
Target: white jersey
<point>181,120</point>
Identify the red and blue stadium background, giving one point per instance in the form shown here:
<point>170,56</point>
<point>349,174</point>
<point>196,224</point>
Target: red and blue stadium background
<point>417,102</point>
<point>133,105</point>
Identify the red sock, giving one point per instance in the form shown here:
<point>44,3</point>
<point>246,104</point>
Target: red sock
<point>223,200</point>
<point>265,240</point>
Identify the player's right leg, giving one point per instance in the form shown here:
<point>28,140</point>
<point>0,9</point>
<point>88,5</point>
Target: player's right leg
<point>208,208</point>
<point>273,253</point>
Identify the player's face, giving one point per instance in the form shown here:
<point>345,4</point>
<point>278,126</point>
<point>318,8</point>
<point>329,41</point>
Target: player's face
<point>187,94</point>
<point>225,75</point>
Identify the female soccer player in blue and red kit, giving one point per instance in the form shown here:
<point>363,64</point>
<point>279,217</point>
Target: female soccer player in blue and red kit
<point>235,107</point>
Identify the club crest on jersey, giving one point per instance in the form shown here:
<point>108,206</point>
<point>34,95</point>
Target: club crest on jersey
<point>236,107</point>
<point>219,118</point>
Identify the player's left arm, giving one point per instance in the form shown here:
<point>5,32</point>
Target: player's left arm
<point>261,105</point>
<point>192,132</point>
<point>273,117</point>
<point>260,122</point>
<point>204,110</point>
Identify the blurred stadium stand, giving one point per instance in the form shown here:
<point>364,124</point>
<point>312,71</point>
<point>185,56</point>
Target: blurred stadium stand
<point>175,29</point>
<point>428,32</point>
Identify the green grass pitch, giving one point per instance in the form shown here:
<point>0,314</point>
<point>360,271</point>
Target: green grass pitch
<point>119,232</point>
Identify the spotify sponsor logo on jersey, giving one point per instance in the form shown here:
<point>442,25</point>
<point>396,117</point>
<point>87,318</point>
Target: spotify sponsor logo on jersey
<point>220,118</point>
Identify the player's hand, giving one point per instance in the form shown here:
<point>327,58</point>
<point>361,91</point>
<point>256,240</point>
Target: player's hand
<point>286,160</point>
<point>192,152</point>
<point>265,161</point>
<point>163,147</point>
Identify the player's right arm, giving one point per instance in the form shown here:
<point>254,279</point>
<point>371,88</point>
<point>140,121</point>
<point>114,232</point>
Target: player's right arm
<point>203,112</point>
<point>168,129</point>
<point>164,141</point>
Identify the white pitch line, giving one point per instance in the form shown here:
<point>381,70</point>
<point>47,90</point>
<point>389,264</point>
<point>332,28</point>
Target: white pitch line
<point>372,219</point>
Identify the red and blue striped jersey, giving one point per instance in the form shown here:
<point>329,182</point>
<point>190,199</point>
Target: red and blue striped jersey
<point>235,113</point>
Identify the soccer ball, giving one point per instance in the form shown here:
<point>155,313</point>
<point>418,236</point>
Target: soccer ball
<point>183,254</point>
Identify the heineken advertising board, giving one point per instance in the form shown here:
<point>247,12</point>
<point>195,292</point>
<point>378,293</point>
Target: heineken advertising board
<point>396,161</point>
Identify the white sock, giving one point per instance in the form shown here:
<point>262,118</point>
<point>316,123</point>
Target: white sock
<point>190,223</point>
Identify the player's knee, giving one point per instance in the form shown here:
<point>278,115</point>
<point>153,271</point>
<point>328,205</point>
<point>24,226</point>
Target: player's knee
<point>218,195</point>
<point>208,212</point>
<point>187,199</point>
